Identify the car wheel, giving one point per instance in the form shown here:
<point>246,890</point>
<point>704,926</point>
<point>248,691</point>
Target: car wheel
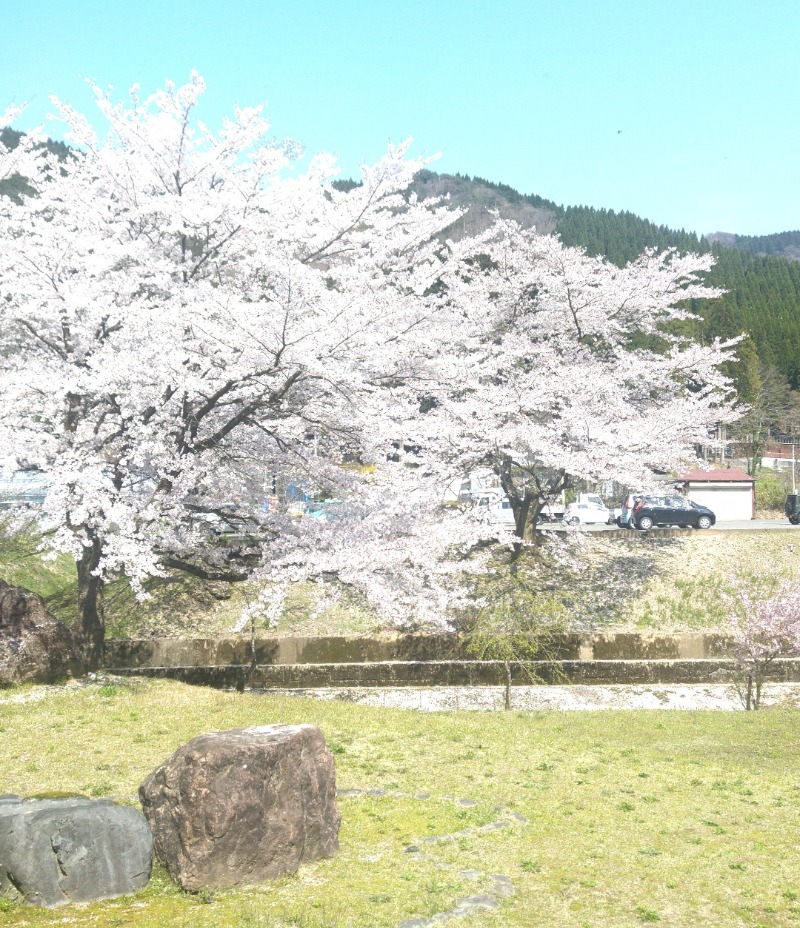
<point>645,523</point>
<point>704,522</point>
<point>574,521</point>
<point>794,520</point>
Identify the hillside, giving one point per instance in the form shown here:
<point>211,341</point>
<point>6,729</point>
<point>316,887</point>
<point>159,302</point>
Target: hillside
<point>760,273</point>
<point>15,185</point>
<point>779,244</point>
<point>619,236</point>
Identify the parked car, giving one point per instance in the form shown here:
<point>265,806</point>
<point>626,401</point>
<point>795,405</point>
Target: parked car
<point>552,511</point>
<point>496,511</point>
<point>590,510</point>
<point>792,508</point>
<point>670,510</point>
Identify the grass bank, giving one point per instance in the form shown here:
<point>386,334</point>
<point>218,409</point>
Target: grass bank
<point>621,582</point>
<point>632,817</point>
<point>686,587</point>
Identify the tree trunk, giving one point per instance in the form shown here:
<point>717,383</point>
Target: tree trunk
<point>90,605</point>
<point>507,667</point>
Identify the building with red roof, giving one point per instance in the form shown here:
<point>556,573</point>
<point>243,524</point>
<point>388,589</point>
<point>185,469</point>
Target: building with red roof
<point>730,494</point>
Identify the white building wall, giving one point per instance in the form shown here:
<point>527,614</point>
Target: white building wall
<point>729,504</point>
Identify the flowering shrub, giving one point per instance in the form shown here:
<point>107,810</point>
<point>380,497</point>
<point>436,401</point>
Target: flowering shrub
<point>763,631</point>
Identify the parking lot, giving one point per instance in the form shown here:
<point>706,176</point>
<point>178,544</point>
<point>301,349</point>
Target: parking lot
<point>745,525</point>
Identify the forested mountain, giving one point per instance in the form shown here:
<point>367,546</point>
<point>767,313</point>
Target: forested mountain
<point>619,236</point>
<point>763,297</point>
<point>15,185</point>
<point>763,284</point>
<point>780,244</point>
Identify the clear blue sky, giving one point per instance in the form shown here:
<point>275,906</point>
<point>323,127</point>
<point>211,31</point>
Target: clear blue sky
<point>683,112</point>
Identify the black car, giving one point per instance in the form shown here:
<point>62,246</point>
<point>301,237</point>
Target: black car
<point>670,510</point>
<point>792,508</point>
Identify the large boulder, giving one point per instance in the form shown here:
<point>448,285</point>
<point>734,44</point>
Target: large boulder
<point>243,806</point>
<point>55,851</point>
<point>34,646</point>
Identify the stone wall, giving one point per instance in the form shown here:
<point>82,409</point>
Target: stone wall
<point>426,660</point>
<point>221,652</point>
<point>460,673</point>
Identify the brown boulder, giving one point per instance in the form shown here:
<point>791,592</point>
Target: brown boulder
<point>243,806</point>
<point>34,646</point>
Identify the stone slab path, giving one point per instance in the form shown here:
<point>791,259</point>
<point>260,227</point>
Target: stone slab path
<point>500,886</point>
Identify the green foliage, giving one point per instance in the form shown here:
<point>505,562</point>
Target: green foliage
<point>763,299</point>
<point>23,564</point>
<point>771,489</point>
<point>16,186</point>
<point>621,237</point>
<point>515,622</point>
<point>745,371</point>
<point>782,244</point>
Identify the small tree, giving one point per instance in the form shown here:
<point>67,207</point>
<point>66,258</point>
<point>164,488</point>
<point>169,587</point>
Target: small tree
<point>516,622</point>
<point>763,631</point>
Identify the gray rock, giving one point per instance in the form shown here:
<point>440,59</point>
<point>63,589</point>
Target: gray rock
<point>467,803</point>
<point>34,646</point>
<point>503,887</point>
<point>477,903</point>
<point>244,806</point>
<point>55,851</point>
<point>494,826</point>
<point>469,874</point>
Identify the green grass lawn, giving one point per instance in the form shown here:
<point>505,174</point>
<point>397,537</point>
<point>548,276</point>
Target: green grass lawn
<point>682,818</point>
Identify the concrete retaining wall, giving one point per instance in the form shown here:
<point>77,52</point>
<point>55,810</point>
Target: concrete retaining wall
<point>426,660</point>
<point>460,673</point>
<point>205,652</point>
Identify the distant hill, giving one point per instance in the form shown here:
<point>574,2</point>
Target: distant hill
<point>763,285</point>
<point>15,185</point>
<point>779,244</point>
<point>760,273</point>
<point>619,236</point>
<point>480,197</point>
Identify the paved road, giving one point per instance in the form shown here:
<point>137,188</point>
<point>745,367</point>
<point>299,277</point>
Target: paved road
<point>751,525</point>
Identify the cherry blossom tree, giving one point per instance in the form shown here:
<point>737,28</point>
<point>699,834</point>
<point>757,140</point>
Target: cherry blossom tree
<point>183,314</point>
<point>565,366</point>
<point>550,366</point>
<point>763,631</point>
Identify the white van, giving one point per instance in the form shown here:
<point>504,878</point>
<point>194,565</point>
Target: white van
<point>497,512</point>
